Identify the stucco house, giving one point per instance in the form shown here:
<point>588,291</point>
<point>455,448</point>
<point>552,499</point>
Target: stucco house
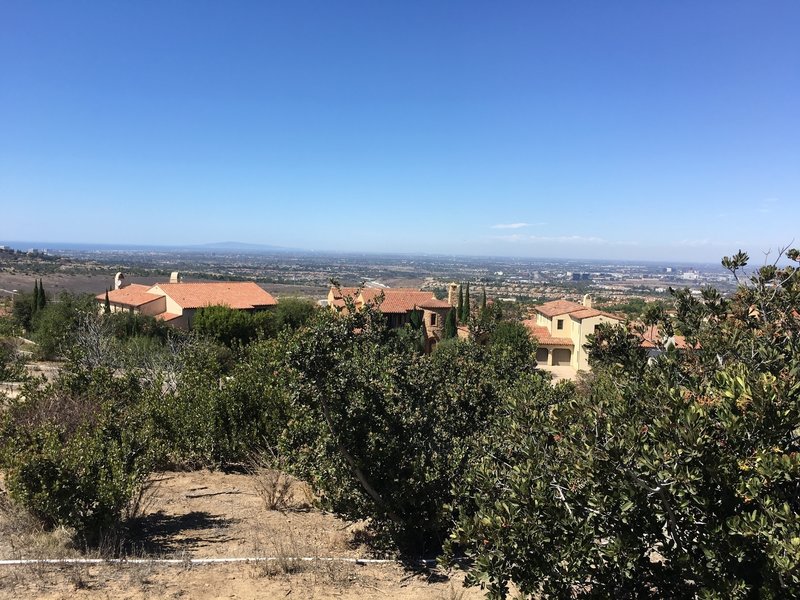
<point>656,342</point>
<point>561,327</point>
<point>397,306</point>
<point>176,302</point>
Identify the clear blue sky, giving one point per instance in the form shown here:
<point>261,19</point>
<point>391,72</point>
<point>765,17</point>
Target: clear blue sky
<point>637,129</point>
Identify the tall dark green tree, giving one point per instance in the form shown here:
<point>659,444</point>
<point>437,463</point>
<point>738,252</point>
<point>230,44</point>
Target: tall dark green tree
<point>35,298</point>
<point>450,325</point>
<point>107,305</point>
<point>466,309</point>
<point>42,299</point>
<point>483,299</point>
<point>460,308</point>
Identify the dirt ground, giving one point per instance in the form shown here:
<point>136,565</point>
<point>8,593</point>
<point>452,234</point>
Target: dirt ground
<point>206,514</point>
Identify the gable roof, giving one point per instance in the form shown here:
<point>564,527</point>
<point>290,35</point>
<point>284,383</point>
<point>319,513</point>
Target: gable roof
<point>575,310</point>
<point>558,307</point>
<point>338,295</point>
<point>402,300</point>
<point>234,294</point>
<point>395,300</point>
<point>134,294</point>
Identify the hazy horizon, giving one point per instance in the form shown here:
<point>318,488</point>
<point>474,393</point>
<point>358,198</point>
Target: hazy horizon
<point>269,250</point>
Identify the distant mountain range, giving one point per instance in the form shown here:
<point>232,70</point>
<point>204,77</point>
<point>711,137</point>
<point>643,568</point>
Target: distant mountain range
<point>214,246</point>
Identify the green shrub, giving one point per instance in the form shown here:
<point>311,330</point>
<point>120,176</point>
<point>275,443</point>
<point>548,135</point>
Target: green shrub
<point>680,479</point>
<point>382,431</point>
<point>12,367</point>
<point>54,326</point>
<point>76,452</point>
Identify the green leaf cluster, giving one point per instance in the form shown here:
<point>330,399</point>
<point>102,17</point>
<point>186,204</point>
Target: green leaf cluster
<point>680,478</point>
<point>382,432</point>
<point>77,451</point>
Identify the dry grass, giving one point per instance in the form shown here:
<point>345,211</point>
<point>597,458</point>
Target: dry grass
<point>273,487</point>
<point>22,534</point>
<point>288,556</point>
<point>211,515</point>
<point>282,549</point>
<point>278,490</point>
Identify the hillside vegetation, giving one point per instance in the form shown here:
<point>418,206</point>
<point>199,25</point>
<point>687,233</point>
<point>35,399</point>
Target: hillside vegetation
<point>677,476</point>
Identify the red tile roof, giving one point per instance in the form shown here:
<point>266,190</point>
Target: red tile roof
<point>573,309</point>
<point>395,300</point>
<point>542,335</point>
<point>558,307</point>
<point>234,294</point>
<point>130,295</point>
<point>342,292</point>
<point>434,304</point>
<point>653,338</point>
<point>402,300</point>
<point>165,316</point>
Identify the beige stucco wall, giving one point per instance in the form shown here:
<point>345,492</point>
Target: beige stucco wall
<point>568,329</point>
<point>153,308</point>
<point>581,329</point>
<point>331,298</point>
<point>171,306</point>
<point>552,324</point>
<point>436,330</point>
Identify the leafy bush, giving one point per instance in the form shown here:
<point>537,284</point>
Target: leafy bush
<point>231,327</point>
<point>183,408</point>
<point>125,325</point>
<point>293,313</point>
<point>381,431</point>
<point>54,326</point>
<point>76,452</point>
<point>225,325</point>
<point>679,479</point>
<point>11,367</point>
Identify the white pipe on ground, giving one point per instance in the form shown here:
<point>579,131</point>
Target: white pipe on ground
<point>199,561</point>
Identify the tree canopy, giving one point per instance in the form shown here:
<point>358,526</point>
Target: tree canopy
<point>679,478</point>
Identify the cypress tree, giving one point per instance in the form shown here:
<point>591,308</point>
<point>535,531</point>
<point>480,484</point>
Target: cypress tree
<point>460,303</point>
<point>483,300</point>
<point>107,304</point>
<point>466,312</point>
<point>450,324</point>
<point>35,297</point>
<point>42,296</point>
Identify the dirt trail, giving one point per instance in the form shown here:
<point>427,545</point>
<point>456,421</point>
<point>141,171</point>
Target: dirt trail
<point>212,514</point>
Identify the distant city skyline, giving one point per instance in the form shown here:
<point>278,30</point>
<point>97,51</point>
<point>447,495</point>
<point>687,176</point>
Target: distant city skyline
<point>623,130</point>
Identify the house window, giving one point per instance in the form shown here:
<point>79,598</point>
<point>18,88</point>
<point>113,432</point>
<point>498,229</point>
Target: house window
<point>433,319</point>
<point>560,324</point>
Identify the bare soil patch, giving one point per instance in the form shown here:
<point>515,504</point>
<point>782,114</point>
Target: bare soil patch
<point>207,514</point>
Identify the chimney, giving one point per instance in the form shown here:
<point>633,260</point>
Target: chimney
<point>452,294</point>
<point>175,277</point>
<point>119,281</point>
<point>587,301</point>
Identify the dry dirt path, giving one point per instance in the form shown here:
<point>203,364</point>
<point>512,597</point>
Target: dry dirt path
<point>206,514</point>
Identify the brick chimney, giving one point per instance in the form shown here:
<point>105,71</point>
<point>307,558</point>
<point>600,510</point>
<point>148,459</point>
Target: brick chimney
<point>452,294</point>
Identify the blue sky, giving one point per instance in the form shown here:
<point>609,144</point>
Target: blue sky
<point>642,130</point>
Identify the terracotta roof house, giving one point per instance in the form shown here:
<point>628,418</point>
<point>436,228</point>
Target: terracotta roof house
<point>397,305</point>
<point>655,342</point>
<point>561,327</point>
<point>176,302</point>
